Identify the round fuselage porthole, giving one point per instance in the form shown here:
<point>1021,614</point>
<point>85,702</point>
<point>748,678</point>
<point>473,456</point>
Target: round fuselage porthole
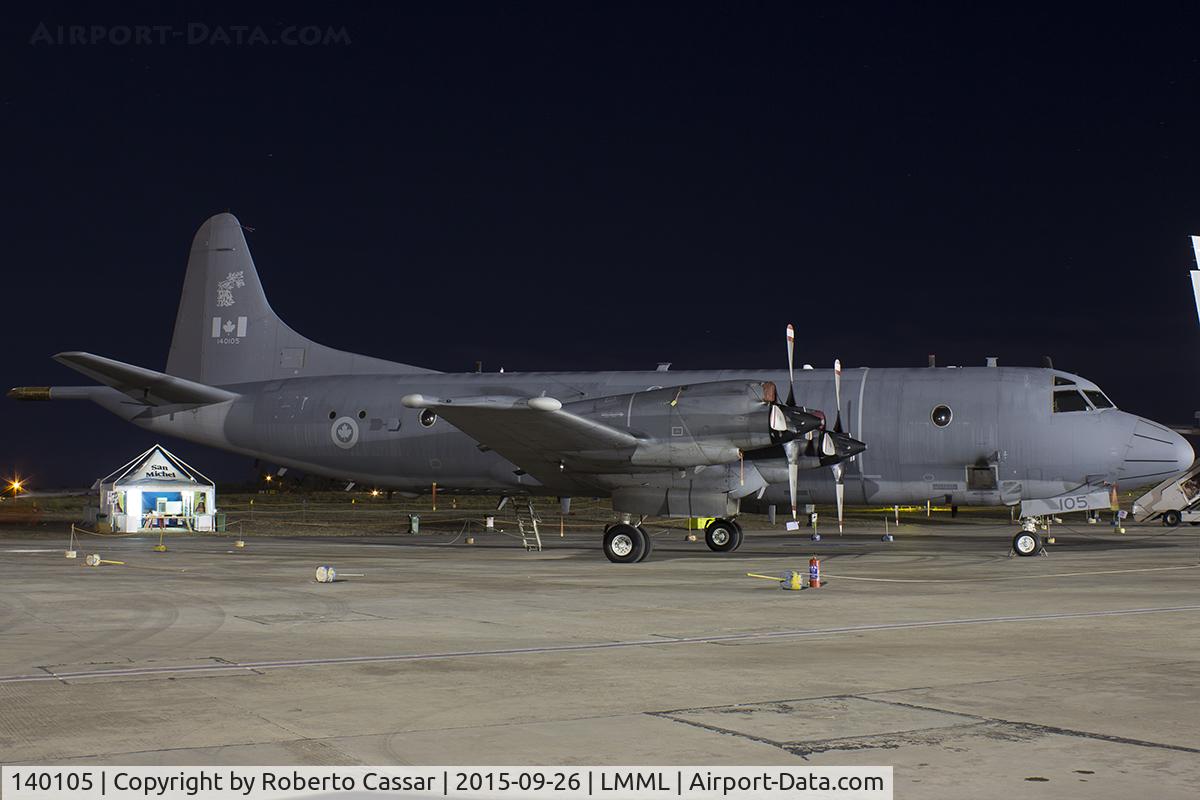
<point>941,416</point>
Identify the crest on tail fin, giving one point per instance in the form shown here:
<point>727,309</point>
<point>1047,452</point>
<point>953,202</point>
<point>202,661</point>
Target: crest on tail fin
<point>226,332</point>
<point>235,280</point>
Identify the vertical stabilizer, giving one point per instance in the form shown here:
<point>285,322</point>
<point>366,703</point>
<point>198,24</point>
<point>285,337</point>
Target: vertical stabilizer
<point>226,332</point>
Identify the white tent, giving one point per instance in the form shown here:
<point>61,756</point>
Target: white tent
<point>157,489</point>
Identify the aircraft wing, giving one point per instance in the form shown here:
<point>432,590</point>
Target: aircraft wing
<point>144,385</point>
<point>534,433</point>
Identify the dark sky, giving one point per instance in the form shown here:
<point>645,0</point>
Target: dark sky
<point>574,186</point>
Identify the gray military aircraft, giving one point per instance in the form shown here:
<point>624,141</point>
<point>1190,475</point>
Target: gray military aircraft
<point>658,443</point>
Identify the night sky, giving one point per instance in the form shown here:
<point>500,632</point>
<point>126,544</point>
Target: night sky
<point>605,186</point>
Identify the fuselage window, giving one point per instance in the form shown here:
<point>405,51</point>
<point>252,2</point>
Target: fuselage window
<point>1059,380</point>
<point>941,416</point>
<point>1098,398</point>
<point>1069,400</point>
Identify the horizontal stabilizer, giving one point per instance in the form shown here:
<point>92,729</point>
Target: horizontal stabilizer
<point>144,385</point>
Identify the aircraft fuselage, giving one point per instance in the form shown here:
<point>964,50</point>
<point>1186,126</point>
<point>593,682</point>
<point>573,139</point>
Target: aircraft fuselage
<point>1003,442</point>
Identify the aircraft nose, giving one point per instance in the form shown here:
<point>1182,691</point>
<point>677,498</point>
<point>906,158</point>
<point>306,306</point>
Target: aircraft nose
<point>1155,451</point>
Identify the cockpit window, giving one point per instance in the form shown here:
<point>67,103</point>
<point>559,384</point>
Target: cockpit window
<point>1069,400</point>
<point>1098,398</point>
<point>1059,380</point>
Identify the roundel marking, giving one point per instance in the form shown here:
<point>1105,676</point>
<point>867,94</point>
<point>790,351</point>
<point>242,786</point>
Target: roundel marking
<point>344,432</point>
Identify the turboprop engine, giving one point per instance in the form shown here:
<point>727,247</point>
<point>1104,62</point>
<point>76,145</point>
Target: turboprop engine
<point>701,424</point>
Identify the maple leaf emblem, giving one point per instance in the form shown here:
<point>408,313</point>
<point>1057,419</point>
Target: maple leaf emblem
<point>228,326</point>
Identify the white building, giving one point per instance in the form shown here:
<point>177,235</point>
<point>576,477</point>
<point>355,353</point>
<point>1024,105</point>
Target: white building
<point>157,488</point>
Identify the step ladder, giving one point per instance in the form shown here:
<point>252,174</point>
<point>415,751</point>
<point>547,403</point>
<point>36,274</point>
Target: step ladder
<point>527,523</point>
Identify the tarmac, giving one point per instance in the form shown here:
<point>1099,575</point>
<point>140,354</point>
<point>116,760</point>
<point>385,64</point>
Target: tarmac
<point>974,673</point>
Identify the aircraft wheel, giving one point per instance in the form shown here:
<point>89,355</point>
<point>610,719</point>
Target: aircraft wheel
<point>624,544</point>
<point>1171,518</point>
<point>722,536</point>
<point>649,544</point>
<point>1026,543</point>
<point>740,536</point>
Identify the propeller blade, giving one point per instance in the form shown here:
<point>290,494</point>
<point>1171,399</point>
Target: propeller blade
<point>792,451</point>
<point>791,347</point>
<point>840,488</point>
<point>837,391</point>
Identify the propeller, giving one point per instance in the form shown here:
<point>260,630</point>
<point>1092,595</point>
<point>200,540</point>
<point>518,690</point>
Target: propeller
<point>838,484</point>
<point>791,450</point>
<point>831,447</point>
<point>836,447</point>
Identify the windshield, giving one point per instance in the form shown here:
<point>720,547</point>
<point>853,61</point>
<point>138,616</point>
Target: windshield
<point>1099,399</point>
<point>1069,400</point>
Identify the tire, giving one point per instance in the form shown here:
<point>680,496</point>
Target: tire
<point>722,536</point>
<point>1026,543</point>
<point>1171,518</point>
<point>624,544</point>
<point>740,535</point>
<point>649,548</point>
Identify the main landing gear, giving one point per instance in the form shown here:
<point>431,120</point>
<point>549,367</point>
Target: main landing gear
<point>627,544</point>
<point>723,535</point>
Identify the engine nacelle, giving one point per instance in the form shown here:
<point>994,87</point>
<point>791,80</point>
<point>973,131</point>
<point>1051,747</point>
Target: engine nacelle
<point>702,424</point>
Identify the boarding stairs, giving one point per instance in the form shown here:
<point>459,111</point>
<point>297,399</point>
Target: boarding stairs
<point>527,524</point>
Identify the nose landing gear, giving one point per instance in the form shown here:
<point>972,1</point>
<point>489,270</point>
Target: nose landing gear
<point>1028,541</point>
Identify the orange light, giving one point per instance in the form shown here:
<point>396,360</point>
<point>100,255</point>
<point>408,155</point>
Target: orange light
<point>268,478</point>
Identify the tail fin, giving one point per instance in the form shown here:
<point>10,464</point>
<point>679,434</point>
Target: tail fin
<point>226,332</point>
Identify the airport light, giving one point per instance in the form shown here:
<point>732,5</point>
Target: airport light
<point>374,493</point>
<point>267,478</point>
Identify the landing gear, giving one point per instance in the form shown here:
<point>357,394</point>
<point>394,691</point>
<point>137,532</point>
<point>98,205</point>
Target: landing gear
<point>1171,518</point>
<point>649,543</point>
<point>626,544</point>
<point>723,536</point>
<point>1027,543</point>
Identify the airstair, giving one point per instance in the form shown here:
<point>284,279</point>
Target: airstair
<point>527,524</point>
